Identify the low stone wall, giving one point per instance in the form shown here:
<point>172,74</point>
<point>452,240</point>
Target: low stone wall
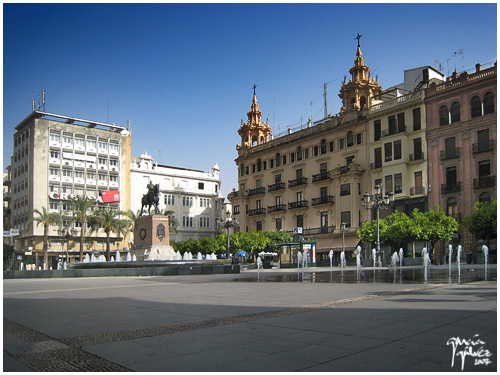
<point>153,270</point>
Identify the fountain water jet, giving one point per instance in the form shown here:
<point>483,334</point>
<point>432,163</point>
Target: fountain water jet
<point>459,255</point>
<point>485,252</point>
<point>330,255</point>
<point>374,255</point>
<point>401,257</point>
<point>358,261</point>
<point>427,262</point>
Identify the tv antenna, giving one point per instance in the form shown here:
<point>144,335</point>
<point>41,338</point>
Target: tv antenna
<point>38,106</point>
<point>325,96</point>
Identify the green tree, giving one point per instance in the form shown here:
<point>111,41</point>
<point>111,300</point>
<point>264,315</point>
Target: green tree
<point>397,230</point>
<point>208,245</point>
<point>482,223</point>
<point>46,219</point>
<point>250,241</point>
<point>110,222</point>
<point>172,221</point>
<point>81,212</point>
<point>8,250</point>
<point>434,226</point>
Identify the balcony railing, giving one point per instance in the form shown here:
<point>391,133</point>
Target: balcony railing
<point>320,230</point>
<point>450,153</point>
<point>276,186</point>
<point>297,182</point>
<point>450,188</point>
<point>483,146</point>
<point>298,204</point>
<point>417,190</point>
<point>276,208</point>
<point>323,175</point>
<point>257,211</point>
<point>322,200</point>
<point>416,156</point>
<point>259,190</point>
<point>484,181</point>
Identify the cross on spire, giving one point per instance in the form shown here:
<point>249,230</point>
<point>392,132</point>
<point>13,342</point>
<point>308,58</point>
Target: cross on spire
<point>358,37</point>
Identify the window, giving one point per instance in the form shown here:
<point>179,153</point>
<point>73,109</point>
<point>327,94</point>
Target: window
<point>349,160</point>
<point>451,176</point>
<point>345,189</point>
<point>417,149</point>
<point>444,116</point>
<point>300,196</point>
<point>79,174</point>
<point>392,125</point>
<point>397,150</point>
<point>489,103</point>
<point>67,173</point>
<point>323,146</point>
<point>279,224</point>
<point>187,201</point>
<point>91,144</point>
<point>278,200</point>
<point>324,222</point>
<point>90,176</point>
<point>300,221</point>
<point>299,153</point>
<point>204,222</point>
<point>417,124</point>
<point>475,107</point>
<point>80,142</point>
<point>483,168</point>
<point>55,138</point>
<point>483,140</point>
<point>350,139</point>
<point>377,130</point>
<point>292,157</point>
<point>299,174</point>
<point>258,204</point>
<point>102,161</point>
<point>113,147</point>
<point>323,167</point>
<point>102,177</point>
<point>341,143</point>
<point>169,199</point>
<point>398,183</point>
<point>103,146</point>
<point>449,144</point>
<point>388,184</point>
<point>205,202</point>
<point>306,153</point>
<point>388,151</point>
<point>284,159</point>
<point>401,122</point>
<point>345,217</point>
<point>54,154</point>
<point>67,139</point>
<point>455,112</point>
<point>259,226</point>
<point>485,197</point>
<point>315,150</point>
<point>278,159</point>
<point>332,146</point>
<point>201,186</point>
<point>187,221</point>
<point>378,157</point>
<point>359,138</point>
<point>259,165</point>
<point>451,207</point>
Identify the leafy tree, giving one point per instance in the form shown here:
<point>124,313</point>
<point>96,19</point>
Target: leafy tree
<point>46,219</point>
<point>397,230</point>
<point>278,236</point>
<point>173,223</point>
<point>81,213</point>
<point>433,226</point>
<point>482,223</point>
<point>7,251</point>
<point>110,222</point>
<point>208,245</point>
<point>250,241</point>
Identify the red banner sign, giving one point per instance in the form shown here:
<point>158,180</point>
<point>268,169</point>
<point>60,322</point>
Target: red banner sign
<point>110,196</point>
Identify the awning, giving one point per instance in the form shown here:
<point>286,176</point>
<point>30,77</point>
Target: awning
<point>335,244</point>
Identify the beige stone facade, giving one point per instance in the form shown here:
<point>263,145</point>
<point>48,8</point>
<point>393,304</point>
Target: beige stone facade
<point>58,157</point>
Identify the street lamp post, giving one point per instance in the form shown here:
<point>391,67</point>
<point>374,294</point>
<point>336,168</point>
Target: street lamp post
<point>230,222</point>
<point>377,201</point>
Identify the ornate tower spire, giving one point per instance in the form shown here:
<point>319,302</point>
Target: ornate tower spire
<point>361,88</point>
<point>254,132</point>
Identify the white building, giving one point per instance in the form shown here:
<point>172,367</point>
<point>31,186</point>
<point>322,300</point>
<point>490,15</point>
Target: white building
<point>193,196</point>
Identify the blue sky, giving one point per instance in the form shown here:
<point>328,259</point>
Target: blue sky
<point>183,73</point>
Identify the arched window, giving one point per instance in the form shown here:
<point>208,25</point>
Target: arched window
<point>444,116</point>
<point>350,139</point>
<point>362,102</point>
<point>489,103</point>
<point>475,107</point>
<point>278,159</point>
<point>323,146</point>
<point>485,197</point>
<point>455,112</point>
<point>451,207</point>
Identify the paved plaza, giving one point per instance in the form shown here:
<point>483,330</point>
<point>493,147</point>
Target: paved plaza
<point>221,323</point>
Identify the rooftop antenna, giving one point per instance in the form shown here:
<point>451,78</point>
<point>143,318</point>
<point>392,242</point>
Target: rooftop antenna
<point>325,96</point>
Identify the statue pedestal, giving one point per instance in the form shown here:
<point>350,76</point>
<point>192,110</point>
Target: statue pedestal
<point>152,238</point>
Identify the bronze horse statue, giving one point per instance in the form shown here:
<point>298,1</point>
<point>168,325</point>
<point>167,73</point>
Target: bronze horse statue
<point>152,198</point>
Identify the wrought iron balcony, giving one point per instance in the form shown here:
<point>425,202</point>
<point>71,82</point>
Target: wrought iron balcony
<point>322,200</point>
<point>276,186</point>
<point>256,191</point>
<point>483,146</point>
<point>417,190</point>
<point>320,230</point>
<point>257,211</point>
<point>276,208</point>
<point>450,153</point>
<point>297,182</point>
<point>450,188</point>
<point>298,204</point>
<point>484,181</point>
<point>323,175</point>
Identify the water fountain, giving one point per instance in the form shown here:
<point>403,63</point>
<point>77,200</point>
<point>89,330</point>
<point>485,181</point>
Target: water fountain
<point>118,257</point>
<point>485,252</point>
<point>374,255</point>
<point>427,262</point>
<point>299,261</point>
<point>330,255</point>
<point>358,262</point>
<point>395,260</point>
<point>199,256</point>
<point>129,257</point>
<point>401,253</point>
<point>134,258</point>
<point>342,260</point>
<point>459,255</point>
<point>259,266</point>
<point>304,259</point>
<point>450,257</point>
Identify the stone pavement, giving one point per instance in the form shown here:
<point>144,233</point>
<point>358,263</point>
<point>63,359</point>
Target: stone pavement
<point>214,323</point>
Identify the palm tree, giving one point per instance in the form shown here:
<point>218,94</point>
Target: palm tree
<point>109,221</point>
<point>132,218</point>
<point>81,213</point>
<point>172,221</point>
<point>46,219</point>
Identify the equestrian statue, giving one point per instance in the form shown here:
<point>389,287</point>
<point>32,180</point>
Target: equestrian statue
<point>151,198</point>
